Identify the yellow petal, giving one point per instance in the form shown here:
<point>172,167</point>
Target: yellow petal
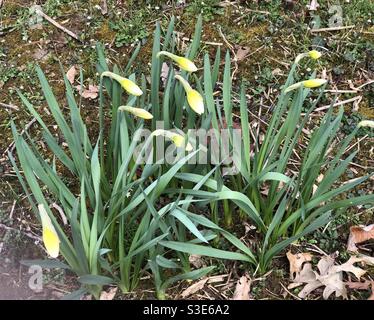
<point>51,242</point>
<point>196,101</point>
<point>366,123</point>
<point>194,98</point>
<point>314,54</point>
<point>131,87</point>
<point>138,112</point>
<point>178,140</point>
<point>126,84</point>
<point>186,64</point>
<point>183,63</point>
<point>314,83</point>
<point>50,237</point>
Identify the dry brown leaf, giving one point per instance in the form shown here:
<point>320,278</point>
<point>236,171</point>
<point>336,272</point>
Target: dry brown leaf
<point>40,54</point>
<point>276,72</point>
<point>242,53</point>
<point>71,74</point>
<point>366,285</point>
<point>358,285</point>
<point>196,261</point>
<point>306,274</point>
<point>194,288</point>
<point>242,289</point>
<point>349,267</point>
<point>309,288</point>
<point>91,93</point>
<point>109,295</point>
<point>331,276</point>
<point>359,234</point>
<point>296,262</point>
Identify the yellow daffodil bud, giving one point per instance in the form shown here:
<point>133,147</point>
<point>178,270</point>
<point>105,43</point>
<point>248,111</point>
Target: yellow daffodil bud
<point>50,237</point>
<point>314,54</point>
<point>366,123</point>
<point>125,83</point>
<point>194,98</point>
<point>137,112</point>
<point>183,63</point>
<point>178,140</point>
<point>312,83</point>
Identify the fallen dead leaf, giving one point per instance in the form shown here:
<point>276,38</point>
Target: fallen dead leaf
<point>40,54</point>
<point>196,261</point>
<point>366,285</point>
<point>194,288</point>
<point>359,234</point>
<point>349,267</point>
<point>71,74</point>
<point>297,261</point>
<point>242,289</point>
<point>109,295</point>
<point>91,93</point>
<point>330,276</point>
<point>276,72</point>
<point>358,285</point>
<point>242,53</point>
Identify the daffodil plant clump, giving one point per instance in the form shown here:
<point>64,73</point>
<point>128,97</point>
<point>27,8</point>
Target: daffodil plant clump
<point>131,211</point>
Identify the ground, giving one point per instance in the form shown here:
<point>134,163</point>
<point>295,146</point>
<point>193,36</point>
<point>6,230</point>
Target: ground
<point>263,35</point>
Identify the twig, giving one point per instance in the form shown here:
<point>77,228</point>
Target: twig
<point>338,103</point>
<point>29,235</point>
<point>9,106</point>
<point>332,29</point>
<point>289,292</point>
<point>12,145</point>
<point>205,42</point>
<point>12,210</point>
<point>57,25</point>
<point>231,47</point>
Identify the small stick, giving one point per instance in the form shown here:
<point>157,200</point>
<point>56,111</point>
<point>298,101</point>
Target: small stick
<point>332,29</point>
<point>338,103</point>
<point>12,210</point>
<point>205,42</point>
<point>57,25</point>
<point>29,235</point>
<point>12,145</point>
<point>9,106</point>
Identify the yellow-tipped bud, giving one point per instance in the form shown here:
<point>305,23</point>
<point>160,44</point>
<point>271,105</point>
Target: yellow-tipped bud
<point>125,83</point>
<point>366,123</point>
<point>50,237</point>
<point>183,63</point>
<point>312,83</point>
<point>178,140</point>
<point>194,98</point>
<point>314,54</point>
<point>137,112</point>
